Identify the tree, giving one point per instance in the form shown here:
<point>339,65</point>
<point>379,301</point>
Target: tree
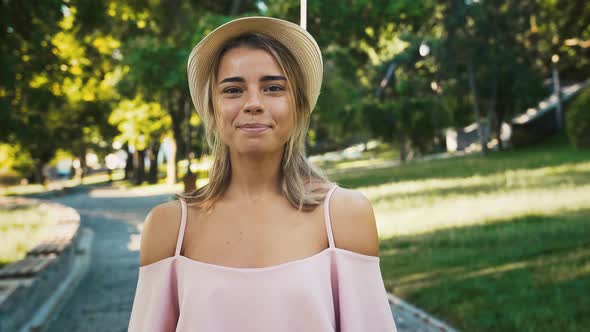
<point>358,40</point>
<point>53,79</point>
<point>30,102</point>
<point>157,38</point>
<point>142,125</point>
<point>561,27</point>
<point>491,41</point>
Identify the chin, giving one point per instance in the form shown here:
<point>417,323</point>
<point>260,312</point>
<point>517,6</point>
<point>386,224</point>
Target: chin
<point>256,149</point>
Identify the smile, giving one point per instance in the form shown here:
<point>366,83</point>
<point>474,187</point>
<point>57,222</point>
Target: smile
<point>254,129</point>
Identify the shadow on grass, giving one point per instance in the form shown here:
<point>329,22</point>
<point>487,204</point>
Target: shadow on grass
<point>524,274</point>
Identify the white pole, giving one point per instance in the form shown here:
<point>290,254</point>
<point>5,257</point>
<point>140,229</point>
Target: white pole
<point>303,14</point>
<point>557,92</point>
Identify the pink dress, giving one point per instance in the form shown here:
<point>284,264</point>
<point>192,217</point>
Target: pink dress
<point>333,290</point>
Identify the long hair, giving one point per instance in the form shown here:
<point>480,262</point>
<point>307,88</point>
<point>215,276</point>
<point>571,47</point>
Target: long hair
<point>302,183</point>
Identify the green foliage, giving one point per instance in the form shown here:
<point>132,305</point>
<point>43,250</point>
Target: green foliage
<point>30,63</point>
<point>496,37</point>
<point>358,40</point>
<point>410,118</point>
<point>54,79</point>
<point>73,62</point>
<point>337,116</point>
<point>154,55</point>
<point>562,28</point>
<point>14,158</point>
<point>140,123</point>
<point>578,120</point>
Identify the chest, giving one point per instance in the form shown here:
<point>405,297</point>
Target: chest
<point>254,236</point>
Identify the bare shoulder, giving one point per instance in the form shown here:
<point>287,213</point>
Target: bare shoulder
<point>353,222</point>
<point>159,233</point>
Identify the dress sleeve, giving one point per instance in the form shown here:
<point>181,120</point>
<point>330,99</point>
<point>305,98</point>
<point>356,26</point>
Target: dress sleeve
<point>362,299</point>
<point>155,307</point>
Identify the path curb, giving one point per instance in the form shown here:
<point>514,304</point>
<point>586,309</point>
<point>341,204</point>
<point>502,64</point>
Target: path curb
<point>42,319</point>
<point>32,289</point>
<point>420,320</point>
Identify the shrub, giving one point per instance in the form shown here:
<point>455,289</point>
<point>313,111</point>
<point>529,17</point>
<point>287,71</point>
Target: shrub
<point>578,121</point>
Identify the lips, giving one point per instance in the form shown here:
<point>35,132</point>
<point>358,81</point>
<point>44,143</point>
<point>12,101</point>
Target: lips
<point>253,125</point>
<point>253,128</point>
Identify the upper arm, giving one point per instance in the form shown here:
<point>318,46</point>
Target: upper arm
<point>159,233</point>
<point>353,222</point>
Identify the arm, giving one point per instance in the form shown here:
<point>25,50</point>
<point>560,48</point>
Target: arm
<point>362,299</point>
<point>155,306</point>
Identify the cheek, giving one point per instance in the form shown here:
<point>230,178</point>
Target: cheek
<point>227,114</point>
<point>285,118</point>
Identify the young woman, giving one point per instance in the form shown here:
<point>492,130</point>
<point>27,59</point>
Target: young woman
<point>269,244</point>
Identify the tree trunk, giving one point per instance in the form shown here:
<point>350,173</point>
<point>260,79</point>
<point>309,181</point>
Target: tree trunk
<point>40,174</point>
<point>176,111</point>
<point>83,164</point>
<point>495,123</point>
<point>187,146</point>
<point>190,181</point>
<point>128,163</point>
<point>153,155</point>
<point>482,140</point>
<point>41,159</point>
<point>139,163</point>
<point>235,7</point>
<point>557,91</point>
<point>502,107</point>
<point>402,148</point>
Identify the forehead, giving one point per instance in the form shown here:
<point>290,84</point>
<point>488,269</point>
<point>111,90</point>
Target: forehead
<point>242,61</point>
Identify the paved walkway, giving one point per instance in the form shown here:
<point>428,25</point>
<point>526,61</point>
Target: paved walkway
<point>104,297</point>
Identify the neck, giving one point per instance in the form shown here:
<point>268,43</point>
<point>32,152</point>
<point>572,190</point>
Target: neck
<point>254,177</point>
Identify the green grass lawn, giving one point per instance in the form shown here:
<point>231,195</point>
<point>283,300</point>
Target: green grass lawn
<point>500,243</point>
<point>21,228</point>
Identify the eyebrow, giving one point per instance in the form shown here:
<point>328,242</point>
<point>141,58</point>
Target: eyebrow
<point>262,79</point>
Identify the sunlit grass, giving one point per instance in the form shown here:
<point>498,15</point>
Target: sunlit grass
<point>29,189</point>
<point>383,153</point>
<point>21,228</point>
<point>500,243</point>
<point>410,207</point>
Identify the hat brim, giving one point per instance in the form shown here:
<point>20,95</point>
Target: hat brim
<point>296,39</point>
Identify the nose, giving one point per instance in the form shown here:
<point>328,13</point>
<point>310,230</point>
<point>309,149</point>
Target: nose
<point>253,104</point>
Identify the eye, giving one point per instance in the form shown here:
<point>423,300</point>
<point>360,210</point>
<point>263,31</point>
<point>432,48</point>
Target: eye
<point>232,90</point>
<point>275,88</point>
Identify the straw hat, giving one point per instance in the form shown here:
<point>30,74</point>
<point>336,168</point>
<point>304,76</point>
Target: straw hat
<point>298,41</point>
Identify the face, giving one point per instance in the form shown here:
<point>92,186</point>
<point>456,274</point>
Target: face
<point>252,102</point>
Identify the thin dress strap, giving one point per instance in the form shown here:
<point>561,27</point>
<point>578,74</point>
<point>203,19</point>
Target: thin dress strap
<point>327,216</point>
<point>182,227</point>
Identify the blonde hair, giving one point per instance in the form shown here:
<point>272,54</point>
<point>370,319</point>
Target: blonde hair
<point>297,174</point>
